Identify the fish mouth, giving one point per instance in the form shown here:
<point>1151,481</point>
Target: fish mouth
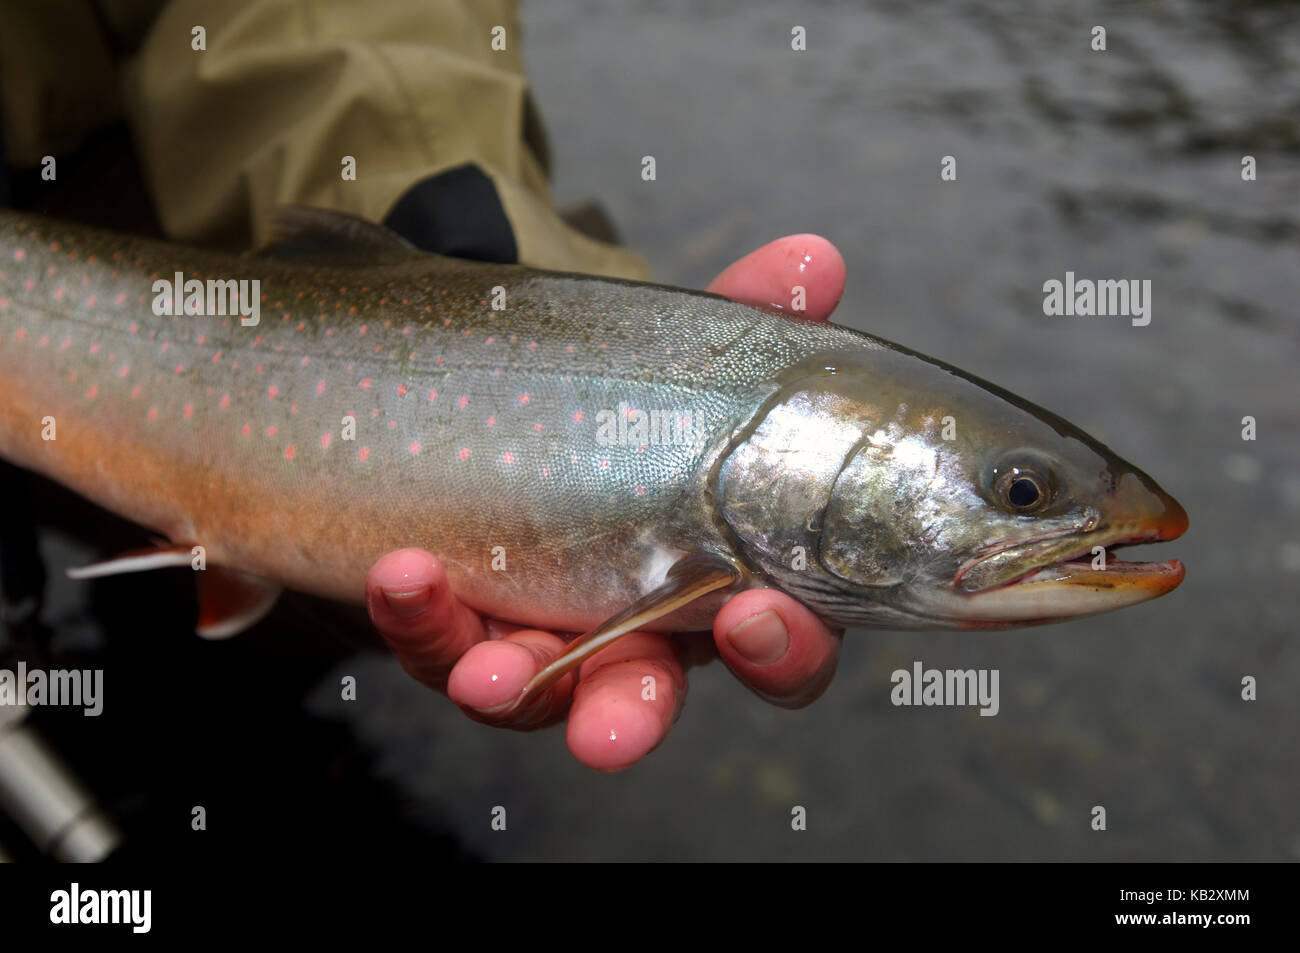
<point>1068,574</point>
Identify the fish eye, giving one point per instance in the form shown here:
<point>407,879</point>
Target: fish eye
<point>1023,486</point>
<point>1023,493</point>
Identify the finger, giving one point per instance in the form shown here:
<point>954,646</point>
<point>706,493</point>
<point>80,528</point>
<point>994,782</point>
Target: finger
<point>425,625</point>
<point>776,646</point>
<point>487,681</point>
<point>766,278</point>
<point>627,698</point>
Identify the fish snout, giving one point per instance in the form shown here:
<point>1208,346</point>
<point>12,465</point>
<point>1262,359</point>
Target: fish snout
<point>1140,503</point>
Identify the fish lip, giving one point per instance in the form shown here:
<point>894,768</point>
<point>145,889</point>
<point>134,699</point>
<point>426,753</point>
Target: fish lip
<point>1061,584</point>
<point>1068,567</point>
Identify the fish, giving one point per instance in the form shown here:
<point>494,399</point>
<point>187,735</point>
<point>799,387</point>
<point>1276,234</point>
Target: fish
<point>583,454</point>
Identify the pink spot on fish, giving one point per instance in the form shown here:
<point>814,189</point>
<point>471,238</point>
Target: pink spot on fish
<point>289,452</point>
<point>507,457</point>
<point>365,384</point>
<point>325,440</point>
<point>4,304</point>
<point>188,412</point>
<point>94,347</point>
<point>65,344</point>
<point>524,398</point>
<point>123,371</point>
<point>272,430</point>
<point>463,403</point>
<point>401,390</point>
<point>216,358</point>
<point>492,421</point>
<point>135,391</point>
<point>433,393</point>
<point>392,425</point>
<point>246,429</point>
<point>90,302</point>
<point>260,368</point>
<point>224,402</point>
<point>538,427</point>
<point>45,339</point>
<point>134,328</point>
<point>604,464</point>
<point>414,447</point>
<point>577,417</point>
<point>58,294</point>
<point>320,387</point>
<point>153,413</point>
<point>120,300</point>
<point>20,254</point>
<point>92,392</point>
<point>20,334</point>
<point>304,362</point>
<point>464,453</point>
<point>363,454</point>
<point>180,369</point>
<point>272,391</point>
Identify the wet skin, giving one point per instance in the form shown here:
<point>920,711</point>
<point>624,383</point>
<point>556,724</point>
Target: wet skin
<point>392,399</point>
<point>770,641</point>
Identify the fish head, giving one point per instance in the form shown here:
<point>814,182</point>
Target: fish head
<point>908,494</point>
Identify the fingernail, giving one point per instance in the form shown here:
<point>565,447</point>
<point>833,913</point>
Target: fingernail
<point>761,639</point>
<point>408,604</point>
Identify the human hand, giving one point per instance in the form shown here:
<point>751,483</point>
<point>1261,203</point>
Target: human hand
<point>771,642</point>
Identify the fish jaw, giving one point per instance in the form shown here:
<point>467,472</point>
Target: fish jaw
<point>1075,580</point>
<point>1070,590</point>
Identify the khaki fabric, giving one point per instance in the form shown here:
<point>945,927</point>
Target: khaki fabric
<point>57,79</point>
<point>284,90</point>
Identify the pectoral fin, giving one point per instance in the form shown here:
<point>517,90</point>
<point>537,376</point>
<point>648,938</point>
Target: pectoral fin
<point>136,560</point>
<point>687,581</point>
<point>229,601</point>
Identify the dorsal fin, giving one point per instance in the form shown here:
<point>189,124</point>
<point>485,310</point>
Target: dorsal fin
<point>299,233</point>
